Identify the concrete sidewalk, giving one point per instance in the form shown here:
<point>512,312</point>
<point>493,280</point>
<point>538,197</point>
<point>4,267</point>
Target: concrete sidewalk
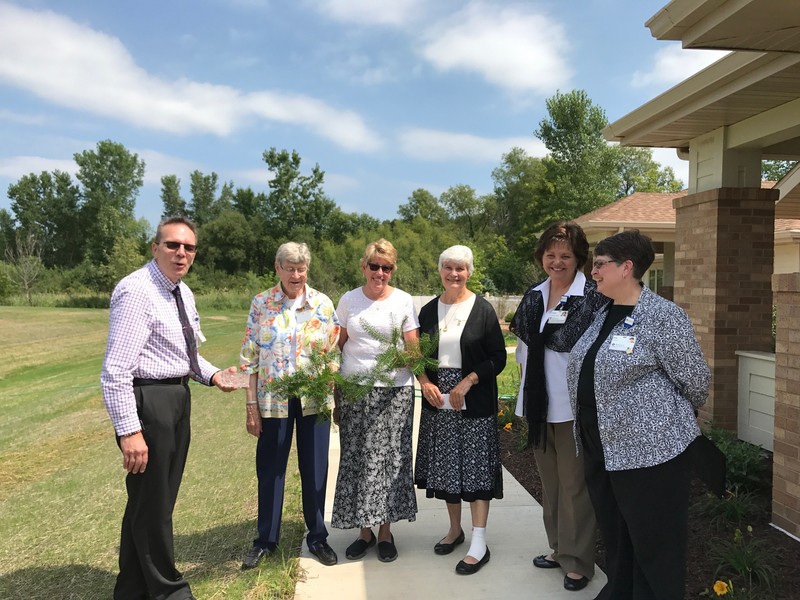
<point>515,534</point>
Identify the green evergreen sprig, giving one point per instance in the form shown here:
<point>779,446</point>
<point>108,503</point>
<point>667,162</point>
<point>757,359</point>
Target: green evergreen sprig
<point>320,376</point>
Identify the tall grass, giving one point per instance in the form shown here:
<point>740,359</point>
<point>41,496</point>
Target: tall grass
<point>61,478</point>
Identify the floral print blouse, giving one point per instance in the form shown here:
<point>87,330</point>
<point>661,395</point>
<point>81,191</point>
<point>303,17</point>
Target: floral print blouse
<point>274,330</point>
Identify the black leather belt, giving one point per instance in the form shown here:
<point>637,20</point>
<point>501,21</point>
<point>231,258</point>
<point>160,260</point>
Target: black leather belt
<point>169,381</point>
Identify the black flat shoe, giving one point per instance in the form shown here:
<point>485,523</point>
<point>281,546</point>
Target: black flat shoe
<point>463,568</point>
<point>254,556</point>
<point>387,551</point>
<point>442,548</point>
<point>324,553</point>
<point>359,548</point>
<point>545,563</point>
<point>575,585</point>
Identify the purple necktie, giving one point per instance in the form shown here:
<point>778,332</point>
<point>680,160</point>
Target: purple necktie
<point>188,332</point>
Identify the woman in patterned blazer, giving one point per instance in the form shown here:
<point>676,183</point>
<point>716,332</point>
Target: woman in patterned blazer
<point>636,378</point>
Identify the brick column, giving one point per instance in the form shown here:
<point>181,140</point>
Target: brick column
<point>724,247</point>
<point>786,445</point>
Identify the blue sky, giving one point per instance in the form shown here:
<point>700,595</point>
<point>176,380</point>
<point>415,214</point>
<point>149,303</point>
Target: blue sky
<point>386,97</point>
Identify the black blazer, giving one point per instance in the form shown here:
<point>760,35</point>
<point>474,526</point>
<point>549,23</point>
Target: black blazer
<point>483,351</point>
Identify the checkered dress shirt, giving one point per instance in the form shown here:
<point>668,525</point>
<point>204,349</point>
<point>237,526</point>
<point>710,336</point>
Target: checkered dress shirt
<point>145,340</point>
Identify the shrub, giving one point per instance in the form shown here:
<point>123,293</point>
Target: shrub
<point>735,509</point>
<point>509,316</point>
<point>747,467</point>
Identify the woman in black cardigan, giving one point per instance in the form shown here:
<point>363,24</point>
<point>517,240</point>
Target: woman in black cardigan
<point>458,451</point>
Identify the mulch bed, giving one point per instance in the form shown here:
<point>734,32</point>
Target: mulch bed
<point>700,573</point>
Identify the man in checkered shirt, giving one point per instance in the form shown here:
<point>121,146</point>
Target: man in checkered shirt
<point>151,354</point>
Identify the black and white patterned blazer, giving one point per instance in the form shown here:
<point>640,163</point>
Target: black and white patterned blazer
<point>645,400</point>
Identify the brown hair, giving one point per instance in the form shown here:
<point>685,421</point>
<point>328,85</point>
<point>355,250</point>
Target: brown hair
<point>566,232</point>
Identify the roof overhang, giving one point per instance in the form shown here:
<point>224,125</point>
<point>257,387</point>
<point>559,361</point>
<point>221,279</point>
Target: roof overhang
<point>761,25</point>
<point>755,95</point>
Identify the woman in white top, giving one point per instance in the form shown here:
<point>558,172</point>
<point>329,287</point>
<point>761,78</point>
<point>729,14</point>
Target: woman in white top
<point>375,484</point>
<point>458,450</point>
<point>550,319</point>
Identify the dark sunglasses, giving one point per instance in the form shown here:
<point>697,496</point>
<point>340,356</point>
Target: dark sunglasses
<point>384,268</point>
<point>190,248</point>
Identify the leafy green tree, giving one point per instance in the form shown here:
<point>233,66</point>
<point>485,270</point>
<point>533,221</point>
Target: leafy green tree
<point>421,203</point>
<point>581,168</point>
<point>227,243</point>
<point>111,178</point>
<point>203,188</point>
<point>7,230</point>
<point>775,170</point>
<point>171,198</point>
<point>464,206</point>
<point>47,207</point>
<point>640,173</point>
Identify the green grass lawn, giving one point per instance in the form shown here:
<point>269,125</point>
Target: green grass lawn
<point>61,479</point>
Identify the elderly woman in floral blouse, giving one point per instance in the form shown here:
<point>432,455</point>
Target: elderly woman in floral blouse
<point>286,324</point>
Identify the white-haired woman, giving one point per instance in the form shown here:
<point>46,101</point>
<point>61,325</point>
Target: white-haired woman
<point>458,456</point>
<point>286,323</point>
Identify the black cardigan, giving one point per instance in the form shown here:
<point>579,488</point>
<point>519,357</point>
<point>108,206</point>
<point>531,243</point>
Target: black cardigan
<point>483,351</point>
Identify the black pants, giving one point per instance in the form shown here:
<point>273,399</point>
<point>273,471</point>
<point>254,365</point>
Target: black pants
<point>146,557</point>
<point>643,518</point>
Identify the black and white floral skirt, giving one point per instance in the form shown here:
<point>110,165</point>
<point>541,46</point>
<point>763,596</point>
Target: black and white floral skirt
<point>375,483</point>
<point>458,458</point>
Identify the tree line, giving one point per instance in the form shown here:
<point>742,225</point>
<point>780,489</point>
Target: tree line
<point>75,235</point>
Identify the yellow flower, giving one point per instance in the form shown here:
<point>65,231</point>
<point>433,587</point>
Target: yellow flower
<point>507,427</point>
<point>501,413</point>
<point>720,588</point>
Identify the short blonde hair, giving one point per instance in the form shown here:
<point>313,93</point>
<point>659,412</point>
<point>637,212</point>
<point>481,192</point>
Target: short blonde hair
<point>461,255</point>
<point>381,248</point>
<point>293,252</point>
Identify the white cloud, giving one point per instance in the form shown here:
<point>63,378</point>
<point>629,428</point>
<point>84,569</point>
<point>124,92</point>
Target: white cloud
<point>72,65</point>
<point>10,116</point>
<point>428,144</point>
<point>16,167</point>
<point>158,164</point>
<point>369,12</point>
<point>337,183</point>
<point>513,47</point>
<point>673,64</point>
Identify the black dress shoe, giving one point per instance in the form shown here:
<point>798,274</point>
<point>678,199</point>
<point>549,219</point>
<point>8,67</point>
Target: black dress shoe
<point>324,553</point>
<point>254,556</point>
<point>387,551</point>
<point>359,548</point>
<point>463,568</point>
<point>442,548</point>
<point>575,585</point>
<point>545,563</point>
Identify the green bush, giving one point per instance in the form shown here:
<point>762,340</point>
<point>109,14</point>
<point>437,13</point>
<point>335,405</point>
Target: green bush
<point>747,466</point>
<point>509,316</point>
<point>746,558</point>
<point>734,510</point>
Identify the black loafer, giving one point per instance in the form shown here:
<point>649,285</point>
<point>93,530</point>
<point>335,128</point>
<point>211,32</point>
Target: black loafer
<point>575,585</point>
<point>359,548</point>
<point>254,556</point>
<point>387,551</point>
<point>463,568</point>
<point>324,553</point>
<point>442,548</point>
<point>545,563</point>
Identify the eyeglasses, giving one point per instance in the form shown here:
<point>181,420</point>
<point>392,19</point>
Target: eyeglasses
<point>599,264</point>
<point>295,270</point>
<point>190,248</point>
<point>384,268</point>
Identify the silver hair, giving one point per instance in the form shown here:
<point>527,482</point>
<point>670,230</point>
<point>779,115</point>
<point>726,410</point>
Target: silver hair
<point>461,255</point>
<point>293,252</point>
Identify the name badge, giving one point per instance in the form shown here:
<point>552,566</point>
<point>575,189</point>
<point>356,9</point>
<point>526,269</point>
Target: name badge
<point>558,316</point>
<point>623,343</point>
<point>304,316</point>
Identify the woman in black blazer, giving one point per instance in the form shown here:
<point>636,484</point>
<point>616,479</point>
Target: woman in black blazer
<point>458,451</point>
